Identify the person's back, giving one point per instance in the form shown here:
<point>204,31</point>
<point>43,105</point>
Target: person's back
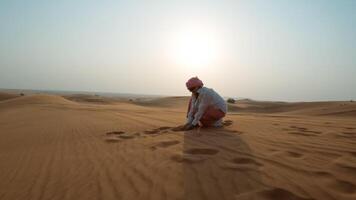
<point>216,99</point>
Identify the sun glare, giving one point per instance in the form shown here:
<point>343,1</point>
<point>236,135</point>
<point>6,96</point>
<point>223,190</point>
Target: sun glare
<point>194,48</point>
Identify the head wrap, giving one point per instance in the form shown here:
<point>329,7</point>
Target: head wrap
<point>194,82</point>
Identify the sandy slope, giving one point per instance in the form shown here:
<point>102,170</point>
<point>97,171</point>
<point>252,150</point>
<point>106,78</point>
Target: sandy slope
<point>6,96</point>
<point>336,108</point>
<point>54,148</point>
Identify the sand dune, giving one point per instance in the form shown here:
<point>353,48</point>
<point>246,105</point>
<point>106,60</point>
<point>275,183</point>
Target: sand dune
<point>336,108</point>
<point>54,148</point>
<point>6,96</point>
<point>35,99</point>
<point>168,102</point>
<point>342,108</point>
<point>85,98</point>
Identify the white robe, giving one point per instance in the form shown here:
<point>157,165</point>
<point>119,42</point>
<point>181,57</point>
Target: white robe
<point>207,97</point>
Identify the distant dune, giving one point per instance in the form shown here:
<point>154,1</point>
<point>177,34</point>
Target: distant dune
<point>339,108</point>
<point>5,96</point>
<point>335,108</point>
<point>168,102</point>
<point>35,99</point>
<point>88,147</point>
<point>85,98</point>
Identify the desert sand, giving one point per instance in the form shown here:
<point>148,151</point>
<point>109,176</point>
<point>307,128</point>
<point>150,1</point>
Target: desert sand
<point>54,147</point>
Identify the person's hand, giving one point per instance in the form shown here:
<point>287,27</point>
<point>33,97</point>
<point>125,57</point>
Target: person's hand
<point>186,125</point>
<point>181,127</point>
<point>189,126</point>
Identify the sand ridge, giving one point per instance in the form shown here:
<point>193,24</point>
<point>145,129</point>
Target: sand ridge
<point>6,96</point>
<point>334,108</point>
<point>36,99</point>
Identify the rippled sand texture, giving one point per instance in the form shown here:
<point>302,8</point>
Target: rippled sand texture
<point>53,147</point>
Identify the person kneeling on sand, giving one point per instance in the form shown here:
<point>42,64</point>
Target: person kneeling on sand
<point>206,107</point>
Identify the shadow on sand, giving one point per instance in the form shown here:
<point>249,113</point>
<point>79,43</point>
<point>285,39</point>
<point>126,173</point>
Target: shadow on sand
<point>218,164</point>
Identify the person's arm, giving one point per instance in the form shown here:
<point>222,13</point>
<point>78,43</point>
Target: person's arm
<point>203,105</point>
<point>190,116</point>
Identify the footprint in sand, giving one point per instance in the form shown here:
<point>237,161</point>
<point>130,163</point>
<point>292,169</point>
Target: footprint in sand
<point>341,186</point>
<point>163,129</point>
<point>112,137</point>
<point>115,133</point>
<point>335,184</point>
<point>345,168</point>
<point>315,132</point>
<point>300,133</point>
<point>322,174</point>
<point>272,194</point>
<point>149,132</point>
<point>273,151</point>
<point>353,154</point>
<point>245,160</point>
<point>178,128</point>
<point>242,163</point>
<point>165,144</point>
<point>117,136</point>
<point>303,131</point>
<point>201,151</point>
<point>227,123</point>
<point>294,154</point>
<point>298,128</point>
<point>187,158</point>
<point>347,134</point>
<point>112,140</point>
<point>127,136</point>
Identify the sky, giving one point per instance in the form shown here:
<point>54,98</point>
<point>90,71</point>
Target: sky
<point>281,50</point>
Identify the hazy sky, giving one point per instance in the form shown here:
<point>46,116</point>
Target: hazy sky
<point>271,50</point>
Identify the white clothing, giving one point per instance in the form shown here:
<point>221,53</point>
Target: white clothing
<point>207,97</point>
